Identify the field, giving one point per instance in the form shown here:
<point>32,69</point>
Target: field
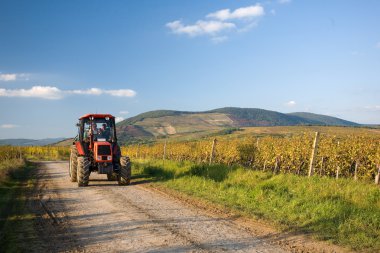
<point>342,211</point>
<point>17,232</point>
<point>342,152</point>
<point>261,173</point>
<point>258,173</point>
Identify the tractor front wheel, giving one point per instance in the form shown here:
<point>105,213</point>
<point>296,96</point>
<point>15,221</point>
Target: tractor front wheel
<point>83,171</point>
<point>73,163</point>
<point>124,177</point>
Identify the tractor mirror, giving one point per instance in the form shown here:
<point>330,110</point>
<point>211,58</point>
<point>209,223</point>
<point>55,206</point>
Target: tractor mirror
<point>77,124</point>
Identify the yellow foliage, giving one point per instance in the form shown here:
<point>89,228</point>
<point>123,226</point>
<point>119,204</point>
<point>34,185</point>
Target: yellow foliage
<point>286,154</point>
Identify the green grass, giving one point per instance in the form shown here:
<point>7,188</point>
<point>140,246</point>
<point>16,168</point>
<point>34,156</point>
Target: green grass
<point>342,211</point>
<point>17,232</point>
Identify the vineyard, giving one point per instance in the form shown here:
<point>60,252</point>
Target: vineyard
<point>356,156</point>
<point>34,153</point>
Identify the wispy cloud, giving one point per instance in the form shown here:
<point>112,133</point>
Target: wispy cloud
<point>124,112</point>
<point>219,23</point>
<point>121,93</point>
<point>378,44</point>
<point>248,12</point>
<point>8,126</point>
<point>201,27</point>
<point>291,103</point>
<point>119,119</point>
<point>91,91</point>
<point>53,93</point>
<point>46,92</point>
<point>6,77</point>
<point>284,1</point>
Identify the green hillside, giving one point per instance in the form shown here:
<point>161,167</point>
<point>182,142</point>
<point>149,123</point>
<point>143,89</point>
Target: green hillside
<point>260,117</point>
<point>149,126</point>
<point>29,142</point>
<point>323,119</point>
<point>152,114</point>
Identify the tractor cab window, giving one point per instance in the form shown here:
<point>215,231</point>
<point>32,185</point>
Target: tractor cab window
<point>99,129</point>
<point>86,130</point>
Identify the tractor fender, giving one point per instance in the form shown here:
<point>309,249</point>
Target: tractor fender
<point>80,148</point>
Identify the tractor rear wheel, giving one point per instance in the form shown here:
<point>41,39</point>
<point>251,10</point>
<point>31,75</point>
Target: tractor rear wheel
<point>124,177</point>
<point>83,172</point>
<point>73,163</point>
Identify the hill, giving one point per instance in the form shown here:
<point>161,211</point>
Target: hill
<point>29,142</point>
<point>151,125</point>
<point>323,119</point>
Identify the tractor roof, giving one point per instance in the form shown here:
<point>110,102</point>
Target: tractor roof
<point>96,116</point>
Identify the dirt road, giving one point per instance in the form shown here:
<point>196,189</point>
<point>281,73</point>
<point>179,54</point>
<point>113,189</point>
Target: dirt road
<point>105,217</point>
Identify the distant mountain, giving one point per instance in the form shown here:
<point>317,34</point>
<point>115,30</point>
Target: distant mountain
<point>161,123</point>
<point>323,119</point>
<point>148,126</point>
<point>29,142</point>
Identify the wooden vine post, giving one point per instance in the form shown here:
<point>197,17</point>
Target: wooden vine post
<point>212,151</point>
<point>356,170</point>
<point>313,154</point>
<point>337,172</point>
<point>164,155</point>
<point>377,177</point>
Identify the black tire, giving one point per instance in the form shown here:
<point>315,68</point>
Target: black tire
<point>124,177</point>
<point>73,163</point>
<point>111,177</point>
<point>83,171</point>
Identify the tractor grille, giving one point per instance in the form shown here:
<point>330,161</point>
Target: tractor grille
<point>104,150</point>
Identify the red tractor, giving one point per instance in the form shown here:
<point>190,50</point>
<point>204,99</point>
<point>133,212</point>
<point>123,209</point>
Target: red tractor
<point>95,148</point>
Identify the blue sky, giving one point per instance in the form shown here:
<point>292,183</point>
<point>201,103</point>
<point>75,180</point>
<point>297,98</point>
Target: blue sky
<point>62,59</point>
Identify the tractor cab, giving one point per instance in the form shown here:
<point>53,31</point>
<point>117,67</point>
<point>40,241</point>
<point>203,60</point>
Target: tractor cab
<point>95,149</point>
<point>97,127</point>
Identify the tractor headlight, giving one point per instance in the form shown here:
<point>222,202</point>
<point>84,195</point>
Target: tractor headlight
<point>99,157</point>
<point>109,158</point>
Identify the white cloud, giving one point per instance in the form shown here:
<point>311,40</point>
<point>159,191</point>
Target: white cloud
<point>8,126</point>
<point>248,12</point>
<point>91,91</point>
<point>218,24</point>
<point>124,112</point>
<point>48,92</point>
<point>201,27</point>
<point>121,93</point>
<point>290,103</point>
<point>284,1</point>
<point>13,77</point>
<point>7,77</point>
<point>118,119</point>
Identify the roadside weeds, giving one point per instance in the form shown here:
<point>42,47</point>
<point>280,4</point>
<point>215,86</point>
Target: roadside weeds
<point>17,230</point>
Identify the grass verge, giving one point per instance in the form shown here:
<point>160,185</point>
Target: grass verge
<point>17,232</point>
<point>344,212</point>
